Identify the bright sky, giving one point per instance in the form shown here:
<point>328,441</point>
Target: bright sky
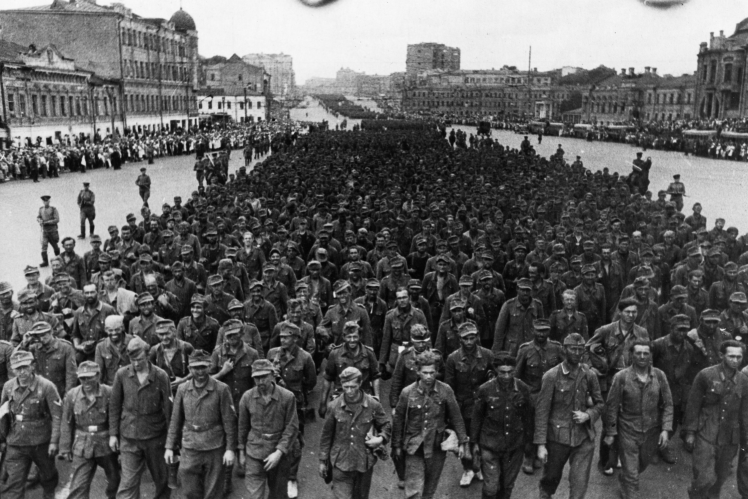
<point>372,35</point>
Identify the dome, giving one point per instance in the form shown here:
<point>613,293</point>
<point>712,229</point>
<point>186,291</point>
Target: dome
<point>183,21</point>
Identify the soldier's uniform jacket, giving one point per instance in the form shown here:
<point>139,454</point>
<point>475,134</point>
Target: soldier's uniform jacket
<point>6,349</point>
<point>319,290</point>
<point>203,419</point>
<point>473,310</point>
<point>719,293</point>
<point>305,340</point>
<point>698,299</point>
<point>430,289</point>
<point>562,325</point>
<point>250,335</point>
<point>336,317</point>
<point>75,267</point>
<point>218,307</point>
<point>88,325</point>
<point>140,412</point>
<point>177,367</point>
<point>168,254</point>
<point>263,316</point>
<point>233,286</point>
<point>501,419</point>
<point>677,364</point>
<point>514,325</point>
<point>34,412</point>
<point>201,337</point>
<point>56,363</point>
<point>634,408</point>
<point>183,292</point>
<point>84,430</point>
<point>616,349</point>
<point>377,311</point>
<point>390,285</point>
<point>422,417</point>
<point>667,311</point>
<point>735,324</point>
<point>277,295</point>
<point>397,331</point>
<point>24,322</point>
<point>265,427</point>
<point>344,432</point>
<point>591,302</point>
<point>137,281</point>
<point>534,360</point>
<point>364,360</point>
<point>718,406</point>
<point>297,369</point>
<point>7,317</point>
<point>196,273</point>
<point>145,328</point>
<point>253,261</point>
<point>563,392</point>
<point>406,372</point>
<point>465,373</point>
<point>239,379</point>
<point>447,337</point>
<point>491,303</point>
<point>111,358</point>
<point>706,348</point>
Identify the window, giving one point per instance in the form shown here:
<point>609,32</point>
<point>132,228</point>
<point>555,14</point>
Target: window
<point>12,104</point>
<point>219,105</point>
<point>53,107</point>
<point>728,73</point>
<point>71,109</point>
<point>259,105</point>
<point>78,106</point>
<point>106,106</point>
<point>713,72</point>
<point>212,77</point>
<point>22,104</point>
<point>249,104</point>
<point>44,105</point>
<point>210,104</point>
<point>240,77</point>
<point>228,105</point>
<point>63,102</point>
<point>649,98</point>
<point>85,106</point>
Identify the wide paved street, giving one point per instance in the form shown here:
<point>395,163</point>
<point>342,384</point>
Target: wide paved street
<point>118,195</point>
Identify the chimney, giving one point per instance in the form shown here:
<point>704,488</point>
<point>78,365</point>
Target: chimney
<point>654,71</point>
<point>631,71</point>
<point>623,71</point>
<point>721,33</point>
<point>534,70</point>
<point>711,35</point>
<point>646,69</point>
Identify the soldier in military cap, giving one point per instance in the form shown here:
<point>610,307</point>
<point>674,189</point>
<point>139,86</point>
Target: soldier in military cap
<point>514,269</point>
<point>88,323</point>
<point>466,369</point>
<point>677,191</point>
<point>676,306</point>
<point>436,294</point>
<point>144,186</point>
<point>448,336</point>
<point>198,329</point>
<point>203,427</point>
<point>355,429</point>
<point>698,297</point>
<point>54,357</point>
<point>500,427</point>
<point>261,313</point>
<point>231,285</point>
<point>473,306</point>
<point>48,219</point>
<point>719,292</point>
<point>30,314</point>
<point>706,340</point>
<point>194,270</point>
<point>111,354</point>
<point>355,279</point>
<point>273,290</point>
<point>591,298</point>
<point>319,288</point>
<point>216,301</point>
<point>171,353</point>
<point>249,333</point>
<point>268,427</point>
<point>182,288</point>
<point>35,409</point>
<point>573,277</point>
<point>395,280</point>
<point>86,201</point>
<point>139,415</point>
<point>84,433</point>
<point>296,369</point>
<point>397,325</point>
<point>305,338</point>
<point>734,319</point>
<point>8,310</point>
<point>144,326</point>
<point>330,330</point>
<point>231,361</point>
<point>352,352</point>
<point>91,258</point>
<point>534,359</point>
<point>515,323</point>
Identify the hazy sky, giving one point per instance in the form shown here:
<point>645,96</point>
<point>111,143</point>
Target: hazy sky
<point>372,35</point>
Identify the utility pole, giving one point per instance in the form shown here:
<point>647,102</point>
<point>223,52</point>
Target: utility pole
<point>529,80</point>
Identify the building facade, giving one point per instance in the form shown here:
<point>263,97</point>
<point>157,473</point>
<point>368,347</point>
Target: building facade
<point>280,68</point>
<point>233,75</point>
<point>214,103</point>
<point>429,56</point>
<point>45,97</point>
<point>154,61</point>
<point>721,91</point>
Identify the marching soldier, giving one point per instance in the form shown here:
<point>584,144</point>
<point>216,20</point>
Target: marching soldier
<point>232,362</point>
<point>35,409</point>
<point>397,325</point>
<point>86,201</point>
<point>48,219</point>
<point>84,433</point>
<point>677,191</point>
<point>144,186</point>
<point>261,313</point>
<point>54,358</point>
<point>111,354</point>
<point>89,323</point>
<point>198,329</point>
<point>171,354</point>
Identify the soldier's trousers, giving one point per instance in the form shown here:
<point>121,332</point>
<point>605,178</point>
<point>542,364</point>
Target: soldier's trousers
<point>50,237</point>
<point>500,470</point>
<point>743,473</point>
<point>636,452</point>
<point>580,464</point>
<point>256,479</point>
<point>87,213</point>
<point>351,484</point>
<point>84,471</point>
<point>201,473</point>
<point>422,473</point>
<point>18,462</point>
<point>712,466</point>
<point>136,455</point>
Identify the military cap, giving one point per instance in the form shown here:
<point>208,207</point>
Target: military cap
<point>678,291</point>
<point>302,285</point>
<point>466,328</point>
<point>269,267</point>
<point>40,328</point>
<point>576,259</point>
<point>541,324</point>
<point>414,283</point>
<point>701,230</point>
<point>350,373</point>
<point>373,283</point>
<point>465,280</point>
<point>355,266</point>
<point>199,358</point>
<point>30,270</point>
<point>524,283</point>
<point>641,281</point>
<point>485,275</point>
<point>520,247</point>
<point>113,321</point>
<point>419,332</point>
<point>588,268</point>
<point>647,251</point>
<point>46,197</point>
<point>255,284</point>
<point>453,239</point>
<point>574,339</point>
<point>255,225</point>
<point>112,228</point>
<point>177,266</point>
<point>129,217</point>
<point>211,231</point>
<point>225,263</point>
<point>457,303</point>
<point>694,251</point>
<point>165,325</point>
<point>233,251</point>
<point>442,258</point>
<point>397,263</point>
<point>679,318</point>
<point>588,244</point>
<point>731,266</point>
<point>441,243</point>
<point>289,328</point>
<point>5,287</point>
<point>487,255</point>
<point>738,297</point>
<point>186,248</point>
<point>197,299</point>
<point>235,305</point>
<point>351,327</point>
<point>137,345</point>
<point>710,315</point>
<point>232,326</point>
<point>215,280</point>
<point>144,298</point>
<point>26,294</point>
<point>62,277</point>
<point>421,241</point>
<point>682,326</point>
<point>146,257</point>
<point>88,369</point>
<point>714,252</point>
<point>558,249</point>
<point>314,264</point>
<point>696,273</point>
<point>340,285</point>
<point>105,258</point>
<point>21,358</point>
<point>95,238</point>
<point>262,367</point>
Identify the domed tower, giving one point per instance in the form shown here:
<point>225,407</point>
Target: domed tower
<point>184,23</point>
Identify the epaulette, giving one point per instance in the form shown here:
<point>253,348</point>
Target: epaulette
<point>361,305</point>
<point>524,345</point>
<point>335,347</point>
<point>370,348</point>
<point>15,314</point>
<point>554,342</point>
<point>445,320</point>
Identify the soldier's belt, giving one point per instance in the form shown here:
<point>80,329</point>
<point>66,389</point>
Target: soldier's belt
<point>201,428</point>
<point>93,428</point>
<point>26,419</point>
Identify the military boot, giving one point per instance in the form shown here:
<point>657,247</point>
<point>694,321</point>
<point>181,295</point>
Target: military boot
<point>45,260</point>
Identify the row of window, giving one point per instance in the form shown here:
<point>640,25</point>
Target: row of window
<point>150,41</point>
<point>669,98</point>
<point>209,105</point>
<point>139,69</point>
<point>486,105</point>
<point>506,95</point>
<point>140,103</point>
<point>709,73</point>
<point>58,105</point>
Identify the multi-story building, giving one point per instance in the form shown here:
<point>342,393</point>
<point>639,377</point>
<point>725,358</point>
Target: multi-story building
<point>153,61</point>
<point>45,97</point>
<point>214,103</point>
<point>234,75</point>
<point>721,90</point>
<point>429,56</point>
<point>280,68</point>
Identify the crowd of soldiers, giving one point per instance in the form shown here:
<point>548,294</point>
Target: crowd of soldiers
<point>502,303</point>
